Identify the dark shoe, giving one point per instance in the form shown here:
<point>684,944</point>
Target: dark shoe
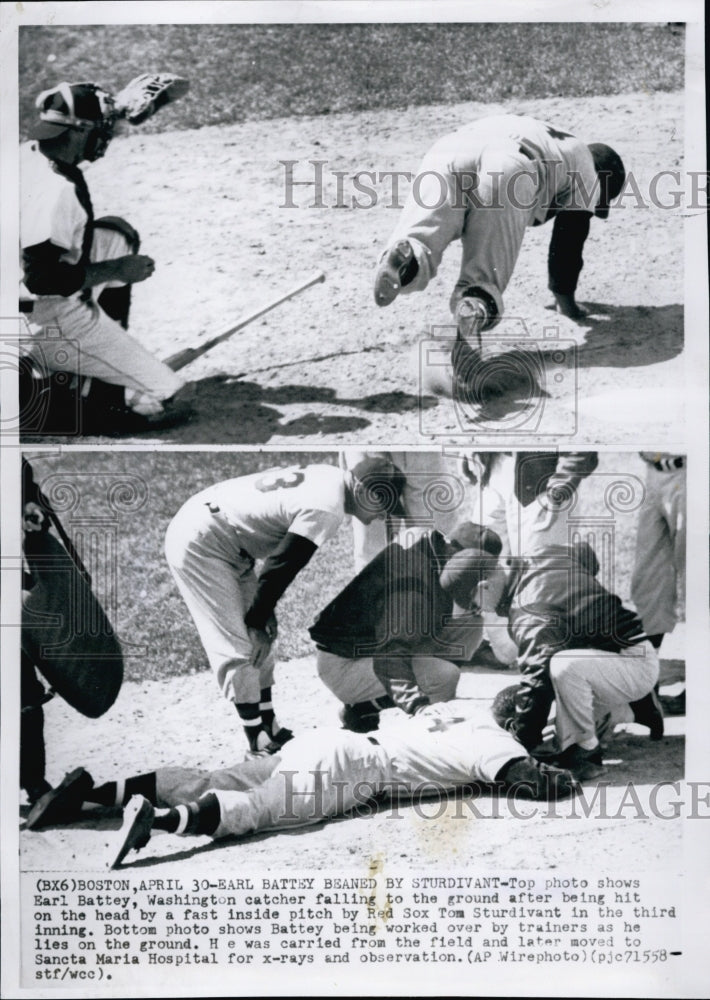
<point>538,781</point>
<point>175,411</point>
<point>35,792</point>
<point>397,268</point>
<point>63,803</point>
<point>282,736</point>
<point>648,712</point>
<point>471,317</point>
<point>135,830</point>
<point>584,764</point>
<point>363,717</point>
<point>673,704</point>
<point>265,745</point>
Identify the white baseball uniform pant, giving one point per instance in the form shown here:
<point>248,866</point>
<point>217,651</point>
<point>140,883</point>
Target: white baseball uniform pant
<point>523,531</point>
<point>353,681</point>
<point>658,581</point>
<point>320,774</point>
<point>590,682</point>
<point>216,578</point>
<point>483,196</point>
<point>79,337</point>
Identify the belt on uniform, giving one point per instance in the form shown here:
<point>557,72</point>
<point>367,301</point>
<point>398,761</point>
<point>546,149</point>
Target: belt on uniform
<point>669,464</point>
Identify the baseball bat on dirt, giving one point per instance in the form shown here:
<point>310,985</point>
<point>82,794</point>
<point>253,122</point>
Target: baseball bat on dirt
<point>182,358</point>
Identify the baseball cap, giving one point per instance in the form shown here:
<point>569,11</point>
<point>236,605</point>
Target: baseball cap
<point>379,483</point>
<point>468,535</point>
<point>612,174</point>
<point>467,567</point>
<point>70,105</point>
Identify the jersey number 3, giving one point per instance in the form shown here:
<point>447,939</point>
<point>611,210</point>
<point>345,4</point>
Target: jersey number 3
<point>280,479</point>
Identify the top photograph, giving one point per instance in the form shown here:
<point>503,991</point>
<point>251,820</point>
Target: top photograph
<point>297,234</point>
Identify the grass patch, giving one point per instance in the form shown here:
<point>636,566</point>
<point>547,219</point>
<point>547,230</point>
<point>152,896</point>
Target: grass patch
<point>130,497</point>
<point>258,71</point>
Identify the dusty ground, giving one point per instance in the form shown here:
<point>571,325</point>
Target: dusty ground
<point>183,721</point>
<point>329,366</point>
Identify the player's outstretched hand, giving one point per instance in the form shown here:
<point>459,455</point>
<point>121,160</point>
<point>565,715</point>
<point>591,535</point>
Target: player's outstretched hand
<point>566,305</point>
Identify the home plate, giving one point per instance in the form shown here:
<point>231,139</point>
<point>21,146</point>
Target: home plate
<point>652,406</point>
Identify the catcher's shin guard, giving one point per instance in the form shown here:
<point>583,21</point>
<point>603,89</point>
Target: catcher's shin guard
<point>116,303</point>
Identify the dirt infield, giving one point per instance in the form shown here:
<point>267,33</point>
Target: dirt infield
<point>329,366</point>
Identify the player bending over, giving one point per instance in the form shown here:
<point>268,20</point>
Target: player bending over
<point>397,632</point>
<point>485,184</point>
<point>280,516</point>
<point>578,646</point>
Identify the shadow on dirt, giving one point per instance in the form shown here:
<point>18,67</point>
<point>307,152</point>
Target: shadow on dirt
<point>614,337</point>
<point>628,336</point>
<point>233,410</point>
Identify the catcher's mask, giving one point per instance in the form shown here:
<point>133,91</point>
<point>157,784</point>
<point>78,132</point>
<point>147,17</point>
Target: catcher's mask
<point>612,174</point>
<point>85,107</point>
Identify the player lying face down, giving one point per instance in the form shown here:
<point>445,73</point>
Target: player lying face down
<point>395,633</point>
<point>317,775</point>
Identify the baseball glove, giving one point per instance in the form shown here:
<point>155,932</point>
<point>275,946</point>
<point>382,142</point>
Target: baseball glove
<point>145,94</point>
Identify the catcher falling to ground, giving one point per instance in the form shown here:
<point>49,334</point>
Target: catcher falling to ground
<point>83,370</point>
<point>484,185</point>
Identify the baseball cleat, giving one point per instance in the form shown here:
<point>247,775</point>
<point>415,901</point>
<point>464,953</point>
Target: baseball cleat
<point>282,736</point>
<point>648,712</point>
<point>584,764</point>
<point>471,317</point>
<point>397,268</point>
<point>63,803</point>
<point>135,830</point>
<point>538,781</point>
<point>267,745</point>
<point>673,704</point>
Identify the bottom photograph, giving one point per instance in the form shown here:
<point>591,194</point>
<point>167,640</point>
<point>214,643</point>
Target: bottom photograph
<point>461,658</point>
